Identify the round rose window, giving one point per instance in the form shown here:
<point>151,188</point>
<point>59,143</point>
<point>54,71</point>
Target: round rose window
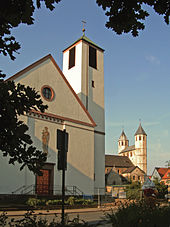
<point>47,93</point>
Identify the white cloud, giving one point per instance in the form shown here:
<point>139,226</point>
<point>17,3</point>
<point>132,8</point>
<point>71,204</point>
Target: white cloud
<point>152,59</point>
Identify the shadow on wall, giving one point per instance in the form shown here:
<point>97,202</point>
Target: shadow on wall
<point>12,178</point>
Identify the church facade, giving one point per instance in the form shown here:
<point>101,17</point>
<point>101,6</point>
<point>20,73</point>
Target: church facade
<point>137,153</point>
<point>75,99</point>
<point>130,163</point>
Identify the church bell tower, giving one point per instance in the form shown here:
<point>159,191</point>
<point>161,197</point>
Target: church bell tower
<point>84,70</point>
<point>141,148</point>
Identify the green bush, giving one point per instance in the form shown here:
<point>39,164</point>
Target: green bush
<point>71,201</point>
<point>36,202</point>
<point>33,202</point>
<point>161,188</point>
<point>132,194</point>
<point>133,191</point>
<point>140,214</point>
<point>33,221</point>
<point>54,202</point>
<point>84,201</point>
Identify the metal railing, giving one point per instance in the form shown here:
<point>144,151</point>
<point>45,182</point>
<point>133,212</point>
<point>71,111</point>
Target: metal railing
<point>46,190</point>
<point>18,189</point>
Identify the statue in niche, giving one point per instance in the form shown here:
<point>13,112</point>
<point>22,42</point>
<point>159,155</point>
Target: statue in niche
<point>45,140</point>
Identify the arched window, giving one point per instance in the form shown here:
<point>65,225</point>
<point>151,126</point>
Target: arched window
<point>139,137</point>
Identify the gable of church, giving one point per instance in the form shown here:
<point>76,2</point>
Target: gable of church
<point>64,102</point>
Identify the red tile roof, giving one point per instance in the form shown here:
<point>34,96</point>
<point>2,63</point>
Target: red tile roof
<point>167,174</point>
<point>162,171</point>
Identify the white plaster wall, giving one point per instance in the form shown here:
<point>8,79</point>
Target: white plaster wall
<point>140,143</point>
<point>73,75</point>
<point>96,94</point>
<point>121,147</point>
<point>80,77</point>
<point>80,157</point>
<point>80,168</point>
<point>141,152</point>
<point>12,178</point>
<point>155,175</point>
<point>99,161</point>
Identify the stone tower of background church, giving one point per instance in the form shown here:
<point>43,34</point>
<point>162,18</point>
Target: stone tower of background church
<point>137,153</point>
<point>84,69</point>
<point>141,148</point>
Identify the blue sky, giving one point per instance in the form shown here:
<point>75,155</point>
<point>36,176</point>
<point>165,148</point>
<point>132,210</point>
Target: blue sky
<point>137,70</point>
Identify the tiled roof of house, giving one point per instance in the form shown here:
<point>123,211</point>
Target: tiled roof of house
<point>130,148</point>
<point>167,174</point>
<point>131,169</point>
<point>161,171</point>
<point>117,161</point>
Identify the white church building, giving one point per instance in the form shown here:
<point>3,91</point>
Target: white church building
<point>75,99</point>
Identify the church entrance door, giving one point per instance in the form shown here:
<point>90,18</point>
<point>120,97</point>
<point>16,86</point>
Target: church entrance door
<point>44,183</point>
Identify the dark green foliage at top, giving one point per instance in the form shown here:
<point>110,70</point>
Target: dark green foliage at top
<point>140,215</point>
<point>126,16</point>
<point>16,100</point>
<point>14,13</point>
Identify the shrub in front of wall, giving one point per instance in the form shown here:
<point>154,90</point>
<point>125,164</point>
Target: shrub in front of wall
<point>71,201</point>
<point>33,202</point>
<point>140,214</point>
<point>54,202</point>
<point>132,194</point>
<point>30,220</point>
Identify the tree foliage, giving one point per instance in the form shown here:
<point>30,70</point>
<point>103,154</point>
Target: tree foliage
<point>14,13</point>
<point>124,16</point>
<point>161,188</point>
<point>17,100</point>
<point>140,214</point>
<point>127,15</point>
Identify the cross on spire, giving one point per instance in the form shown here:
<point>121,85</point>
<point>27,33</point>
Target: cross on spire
<point>83,30</point>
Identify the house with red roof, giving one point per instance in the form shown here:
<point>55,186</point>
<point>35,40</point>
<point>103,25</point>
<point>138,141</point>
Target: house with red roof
<point>162,174</point>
